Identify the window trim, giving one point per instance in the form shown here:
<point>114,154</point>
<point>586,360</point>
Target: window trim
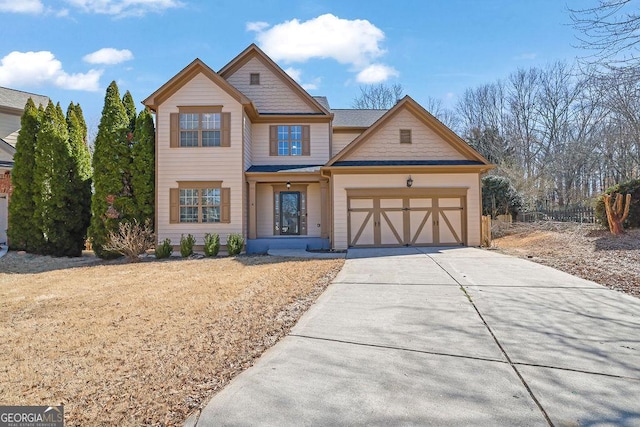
<point>174,201</point>
<point>175,129</point>
<point>305,148</point>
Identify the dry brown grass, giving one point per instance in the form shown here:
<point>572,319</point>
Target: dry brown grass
<point>587,251</point>
<point>145,343</point>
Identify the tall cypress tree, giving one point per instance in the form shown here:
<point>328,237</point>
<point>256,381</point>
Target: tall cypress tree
<point>22,232</point>
<point>112,198</point>
<point>52,167</point>
<point>143,167</point>
<point>130,108</point>
<point>79,199</point>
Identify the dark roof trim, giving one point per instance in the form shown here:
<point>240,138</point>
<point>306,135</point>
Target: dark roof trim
<point>5,164</point>
<point>283,168</point>
<point>409,163</point>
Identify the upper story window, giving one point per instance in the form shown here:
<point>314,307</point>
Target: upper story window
<point>289,140</point>
<point>254,79</point>
<point>200,127</point>
<point>405,136</point>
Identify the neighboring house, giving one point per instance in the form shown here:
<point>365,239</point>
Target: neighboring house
<point>12,104</point>
<point>247,150</point>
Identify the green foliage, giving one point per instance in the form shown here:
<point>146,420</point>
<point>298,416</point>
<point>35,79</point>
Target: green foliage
<point>54,213</point>
<point>186,245</point>
<point>165,249</point>
<point>130,108</point>
<point>22,231</point>
<point>211,244</point>
<point>80,178</point>
<point>629,187</point>
<point>499,197</point>
<point>235,243</point>
<point>112,199</point>
<point>143,167</point>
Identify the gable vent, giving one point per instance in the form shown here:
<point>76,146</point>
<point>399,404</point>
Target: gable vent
<point>405,136</point>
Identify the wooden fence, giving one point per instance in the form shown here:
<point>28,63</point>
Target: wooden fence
<point>582,214</point>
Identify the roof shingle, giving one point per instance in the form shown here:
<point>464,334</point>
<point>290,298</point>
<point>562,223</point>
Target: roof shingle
<point>17,99</point>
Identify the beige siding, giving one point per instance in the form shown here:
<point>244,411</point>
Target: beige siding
<point>200,164</point>
<point>319,147</point>
<point>343,182</point>
<point>385,143</point>
<point>264,195</point>
<point>341,140</point>
<point>272,95</point>
<point>9,127</point>
<point>4,155</point>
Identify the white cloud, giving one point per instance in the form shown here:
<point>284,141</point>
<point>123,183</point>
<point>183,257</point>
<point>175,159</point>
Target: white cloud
<point>39,68</point>
<point>356,43</point>
<point>109,56</point>
<point>256,26</point>
<point>353,42</point>
<point>21,6</point>
<point>296,74</point>
<point>376,73</point>
<point>122,8</point>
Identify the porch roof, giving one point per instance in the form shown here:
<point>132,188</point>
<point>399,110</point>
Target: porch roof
<point>285,168</point>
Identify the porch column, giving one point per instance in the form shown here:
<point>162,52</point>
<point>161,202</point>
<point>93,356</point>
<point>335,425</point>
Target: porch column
<point>252,210</point>
<point>324,210</point>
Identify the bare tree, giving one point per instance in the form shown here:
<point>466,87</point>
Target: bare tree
<point>611,31</point>
<point>378,96</point>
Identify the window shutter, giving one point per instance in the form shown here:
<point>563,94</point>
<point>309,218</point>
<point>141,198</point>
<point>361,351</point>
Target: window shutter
<point>306,140</point>
<point>225,205</point>
<point>174,205</point>
<point>174,130</point>
<point>273,140</point>
<point>226,130</point>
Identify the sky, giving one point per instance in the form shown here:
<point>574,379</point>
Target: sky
<point>70,50</point>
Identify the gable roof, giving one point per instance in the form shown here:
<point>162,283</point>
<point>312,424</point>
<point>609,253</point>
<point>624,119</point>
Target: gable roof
<point>5,146</point>
<point>253,51</point>
<point>322,100</point>
<point>356,118</point>
<point>407,103</point>
<point>186,74</point>
<point>16,99</point>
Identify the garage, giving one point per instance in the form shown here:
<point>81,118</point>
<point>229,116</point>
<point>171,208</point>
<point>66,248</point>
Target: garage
<point>406,217</point>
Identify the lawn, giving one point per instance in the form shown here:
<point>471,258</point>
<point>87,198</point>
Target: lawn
<point>144,343</point>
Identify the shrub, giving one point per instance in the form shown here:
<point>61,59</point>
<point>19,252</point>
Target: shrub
<point>165,249</point>
<point>211,244</point>
<point>629,187</point>
<point>499,196</point>
<point>186,245</point>
<point>235,242</point>
<point>130,239</point>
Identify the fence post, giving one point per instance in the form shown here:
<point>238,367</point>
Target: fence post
<point>486,230</point>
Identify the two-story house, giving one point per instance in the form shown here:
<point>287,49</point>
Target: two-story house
<point>12,104</point>
<point>247,150</point>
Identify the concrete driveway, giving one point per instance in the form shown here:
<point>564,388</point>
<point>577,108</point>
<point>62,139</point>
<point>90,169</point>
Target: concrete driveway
<point>447,337</point>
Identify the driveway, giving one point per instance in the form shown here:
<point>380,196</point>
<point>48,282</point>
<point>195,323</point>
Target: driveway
<point>447,337</point>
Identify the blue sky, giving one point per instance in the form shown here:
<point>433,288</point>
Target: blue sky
<point>72,49</point>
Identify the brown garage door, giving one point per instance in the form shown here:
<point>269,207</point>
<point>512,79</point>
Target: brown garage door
<point>420,219</point>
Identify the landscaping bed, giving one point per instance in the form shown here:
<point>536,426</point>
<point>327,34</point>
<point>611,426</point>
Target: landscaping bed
<point>144,343</point>
<point>584,250</point>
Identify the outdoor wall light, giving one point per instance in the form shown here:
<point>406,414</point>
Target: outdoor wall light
<point>409,181</point>
<point>288,185</point>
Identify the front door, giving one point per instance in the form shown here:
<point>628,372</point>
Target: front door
<point>290,212</point>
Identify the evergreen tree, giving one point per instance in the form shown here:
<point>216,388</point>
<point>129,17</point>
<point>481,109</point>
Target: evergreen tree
<point>130,108</point>
<point>22,232</point>
<point>52,167</point>
<point>80,178</point>
<point>112,198</point>
<point>143,167</point>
